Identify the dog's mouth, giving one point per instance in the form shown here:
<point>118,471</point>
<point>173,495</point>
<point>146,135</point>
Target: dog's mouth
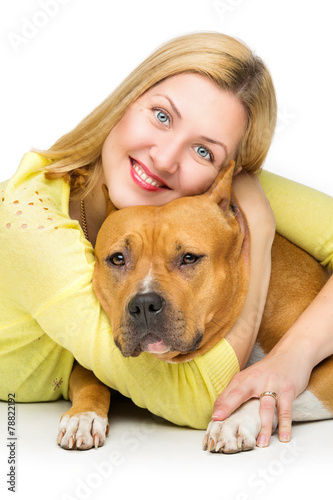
<point>149,343</point>
<point>153,344</point>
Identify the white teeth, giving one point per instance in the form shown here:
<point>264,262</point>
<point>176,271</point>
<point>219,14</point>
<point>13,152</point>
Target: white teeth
<point>150,181</point>
<point>144,176</point>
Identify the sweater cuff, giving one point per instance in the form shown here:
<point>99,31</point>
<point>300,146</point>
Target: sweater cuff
<point>219,364</point>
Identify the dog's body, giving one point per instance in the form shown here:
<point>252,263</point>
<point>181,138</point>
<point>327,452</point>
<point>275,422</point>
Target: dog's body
<point>179,275</point>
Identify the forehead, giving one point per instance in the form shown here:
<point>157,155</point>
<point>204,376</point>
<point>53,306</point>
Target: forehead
<point>185,83</point>
<point>204,107</point>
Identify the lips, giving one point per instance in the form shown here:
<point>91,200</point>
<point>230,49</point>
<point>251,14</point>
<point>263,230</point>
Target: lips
<point>144,178</point>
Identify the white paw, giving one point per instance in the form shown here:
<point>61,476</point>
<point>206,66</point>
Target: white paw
<point>237,433</point>
<point>82,431</point>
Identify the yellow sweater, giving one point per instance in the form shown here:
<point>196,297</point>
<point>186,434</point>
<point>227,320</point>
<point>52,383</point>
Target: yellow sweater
<point>49,313</point>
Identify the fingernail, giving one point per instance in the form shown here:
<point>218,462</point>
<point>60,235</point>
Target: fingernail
<point>284,437</point>
<point>218,415</point>
<point>262,441</point>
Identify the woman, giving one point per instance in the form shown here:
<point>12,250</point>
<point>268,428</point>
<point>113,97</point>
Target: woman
<point>196,103</point>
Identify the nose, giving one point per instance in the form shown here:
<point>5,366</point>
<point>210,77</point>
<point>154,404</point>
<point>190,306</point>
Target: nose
<point>166,156</point>
<point>144,308</point>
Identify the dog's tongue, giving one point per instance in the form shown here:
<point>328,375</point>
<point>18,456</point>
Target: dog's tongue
<point>151,343</point>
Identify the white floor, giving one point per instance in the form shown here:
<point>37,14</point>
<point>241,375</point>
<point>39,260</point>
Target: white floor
<point>156,460</point>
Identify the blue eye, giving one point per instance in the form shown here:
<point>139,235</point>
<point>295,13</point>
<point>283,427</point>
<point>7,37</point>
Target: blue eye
<point>161,116</point>
<point>204,152</point>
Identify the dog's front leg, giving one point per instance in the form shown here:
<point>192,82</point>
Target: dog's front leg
<point>86,424</point>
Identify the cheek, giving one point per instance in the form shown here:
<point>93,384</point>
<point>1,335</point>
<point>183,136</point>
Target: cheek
<point>198,181</point>
<point>114,149</point>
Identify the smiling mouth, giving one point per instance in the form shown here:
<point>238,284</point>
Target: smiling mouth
<point>148,180</point>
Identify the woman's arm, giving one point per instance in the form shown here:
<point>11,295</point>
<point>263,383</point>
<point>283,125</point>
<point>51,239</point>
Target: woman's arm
<point>285,370</point>
<point>260,218</point>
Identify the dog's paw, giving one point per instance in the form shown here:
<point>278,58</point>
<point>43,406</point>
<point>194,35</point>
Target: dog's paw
<point>237,433</point>
<point>82,431</point>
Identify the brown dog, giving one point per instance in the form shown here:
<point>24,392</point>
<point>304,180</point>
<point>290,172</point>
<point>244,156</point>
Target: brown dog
<point>160,266</point>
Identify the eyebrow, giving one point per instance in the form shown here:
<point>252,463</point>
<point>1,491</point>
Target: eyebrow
<point>212,141</point>
<point>172,104</point>
<point>202,137</point>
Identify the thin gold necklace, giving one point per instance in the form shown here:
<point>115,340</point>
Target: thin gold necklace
<point>84,220</point>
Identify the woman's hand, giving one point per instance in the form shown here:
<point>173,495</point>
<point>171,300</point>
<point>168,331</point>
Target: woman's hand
<point>285,370</point>
<point>284,373</point>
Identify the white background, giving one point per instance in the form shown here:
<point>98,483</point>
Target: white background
<point>52,77</point>
<point>60,61</point>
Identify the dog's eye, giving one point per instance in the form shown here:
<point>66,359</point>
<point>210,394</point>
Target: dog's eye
<point>189,258</point>
<point>117,259</point>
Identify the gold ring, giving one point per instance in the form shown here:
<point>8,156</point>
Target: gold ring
<point>269,393</point>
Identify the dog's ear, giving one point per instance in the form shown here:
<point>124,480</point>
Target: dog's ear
<point>220,191</point>
<point>109,205</point>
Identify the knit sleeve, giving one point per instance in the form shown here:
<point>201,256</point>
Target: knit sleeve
<point>47,268</point>
<point>303,215</point>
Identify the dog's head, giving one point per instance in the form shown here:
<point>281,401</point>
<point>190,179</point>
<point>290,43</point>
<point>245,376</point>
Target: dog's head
<point>173,279</point>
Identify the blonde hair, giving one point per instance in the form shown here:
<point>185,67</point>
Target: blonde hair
<point>223,59</point>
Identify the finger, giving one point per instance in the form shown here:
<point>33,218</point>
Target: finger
<point>227,403</point>
<point>266,411</point>
<point>285,417</point>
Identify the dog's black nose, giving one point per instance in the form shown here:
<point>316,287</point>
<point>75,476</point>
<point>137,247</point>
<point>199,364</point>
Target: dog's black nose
<point>145,307</point>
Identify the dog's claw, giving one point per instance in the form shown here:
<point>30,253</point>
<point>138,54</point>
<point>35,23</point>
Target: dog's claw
<point>218,447</point>
<point>211,444</point>
<point>96,441</point>
<point>205,443</point>
<point>79,442</point>
<point>71,442</point>
<point>59,438</point>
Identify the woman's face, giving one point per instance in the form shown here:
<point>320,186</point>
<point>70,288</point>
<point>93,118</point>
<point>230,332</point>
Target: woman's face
<point>172,142</point>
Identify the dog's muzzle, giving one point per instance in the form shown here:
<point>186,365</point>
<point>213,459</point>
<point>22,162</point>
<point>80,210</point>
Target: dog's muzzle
<point>146,310</point>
